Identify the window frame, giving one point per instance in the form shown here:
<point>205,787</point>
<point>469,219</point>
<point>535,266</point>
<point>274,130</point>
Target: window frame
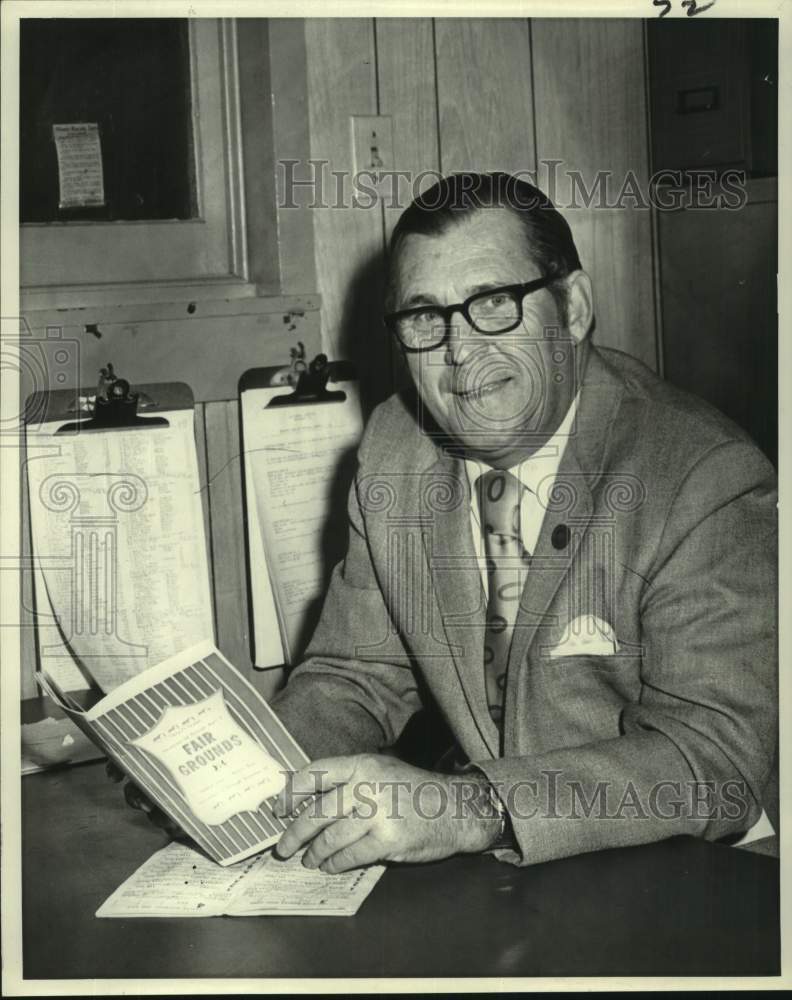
<point>79,262</point>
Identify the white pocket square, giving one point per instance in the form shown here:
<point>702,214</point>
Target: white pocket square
<point>762,828</point>
<point>586,635</point>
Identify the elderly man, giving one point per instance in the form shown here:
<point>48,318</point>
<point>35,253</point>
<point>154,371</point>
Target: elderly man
<point>568,561</point>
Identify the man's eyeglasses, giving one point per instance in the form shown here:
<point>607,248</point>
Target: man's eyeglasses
<point>495,311</point>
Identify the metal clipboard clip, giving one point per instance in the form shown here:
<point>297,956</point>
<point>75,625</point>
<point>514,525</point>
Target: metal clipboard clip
<point>115,408</point>
<point>310,381</point>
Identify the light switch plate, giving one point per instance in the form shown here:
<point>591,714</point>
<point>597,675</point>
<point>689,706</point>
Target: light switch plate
<point>372,142</point>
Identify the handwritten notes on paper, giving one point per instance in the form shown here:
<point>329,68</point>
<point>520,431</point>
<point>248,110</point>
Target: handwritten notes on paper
<point>298,463</point>
<point>178,881</point>
<point>691,7</point>
<point>80,173</point>
<point>120,566</point>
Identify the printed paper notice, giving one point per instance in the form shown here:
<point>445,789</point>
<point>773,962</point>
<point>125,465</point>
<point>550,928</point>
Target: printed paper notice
<point>80,174</point>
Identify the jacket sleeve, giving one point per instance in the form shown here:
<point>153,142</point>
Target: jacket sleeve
<point>696,747</point>
<point>347,696</point>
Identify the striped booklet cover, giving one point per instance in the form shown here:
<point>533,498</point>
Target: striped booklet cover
<point>201,742</point>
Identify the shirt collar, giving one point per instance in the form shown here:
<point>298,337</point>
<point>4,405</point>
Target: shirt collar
<point>541,467</point>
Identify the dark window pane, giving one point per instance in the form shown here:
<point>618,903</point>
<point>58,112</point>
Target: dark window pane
<point>132,77</point>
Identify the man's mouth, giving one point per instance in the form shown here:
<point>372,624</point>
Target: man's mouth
<point>485,389</point>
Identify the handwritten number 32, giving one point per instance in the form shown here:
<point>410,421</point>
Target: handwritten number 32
<point>691,5</point>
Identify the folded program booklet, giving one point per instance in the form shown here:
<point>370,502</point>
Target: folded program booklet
<point>202,743</point>
<point>178,881</point>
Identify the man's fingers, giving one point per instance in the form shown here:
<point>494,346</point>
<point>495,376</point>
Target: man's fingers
<point>164,822</point>
<point>319,776</point>
<point>135,798</point>
<point>323,811</point>
<point>334,838</point>
<point>114,772</point>
<point>139,800</point>
<point>365,851</point>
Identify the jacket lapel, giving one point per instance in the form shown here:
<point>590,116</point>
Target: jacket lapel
<point>564,524</point>
<point>566,519</point>
<point>456,591</point>
<point>456,585</point>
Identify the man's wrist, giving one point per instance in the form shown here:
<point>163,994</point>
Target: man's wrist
<point>505,839</point>
<point>485,820</point>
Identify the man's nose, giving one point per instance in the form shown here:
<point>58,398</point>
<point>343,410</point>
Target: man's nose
<point>460,340</point>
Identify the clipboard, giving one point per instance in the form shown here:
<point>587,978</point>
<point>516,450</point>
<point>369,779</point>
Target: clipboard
<point>95,544</point>
<point>286,579</point>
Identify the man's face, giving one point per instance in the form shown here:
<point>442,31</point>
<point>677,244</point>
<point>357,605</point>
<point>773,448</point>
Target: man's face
<point>495,395</point>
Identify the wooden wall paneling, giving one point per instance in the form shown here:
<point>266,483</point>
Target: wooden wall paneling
<point>228,544</point>
<point>407,92</point>
<point>347,239</point>
<point>291,140</point>
<point>199,427</point>
<point>485,97</point>
<point>224,493</point>
<point>207,344</point>
<point>591,113</point>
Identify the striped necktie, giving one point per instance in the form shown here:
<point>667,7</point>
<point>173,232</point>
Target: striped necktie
<point>499,506</point>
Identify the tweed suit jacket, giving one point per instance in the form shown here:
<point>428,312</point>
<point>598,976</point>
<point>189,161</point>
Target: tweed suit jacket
<point>661,530</point>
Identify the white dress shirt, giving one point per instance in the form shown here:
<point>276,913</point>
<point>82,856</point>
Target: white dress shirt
<point>537,474</point>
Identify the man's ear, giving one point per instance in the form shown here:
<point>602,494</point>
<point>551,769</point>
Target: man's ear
<point>580,304</point>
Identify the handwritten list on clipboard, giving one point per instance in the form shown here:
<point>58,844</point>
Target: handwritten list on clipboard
<point>120,562</point>
<point>299,462</point>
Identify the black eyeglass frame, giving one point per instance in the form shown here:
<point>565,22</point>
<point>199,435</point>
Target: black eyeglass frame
<point>391,320</point>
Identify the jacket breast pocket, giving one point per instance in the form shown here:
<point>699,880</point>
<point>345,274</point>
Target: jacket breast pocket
<point>578,699</point>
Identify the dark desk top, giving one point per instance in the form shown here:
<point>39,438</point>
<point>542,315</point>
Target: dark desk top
<point>680,907</point>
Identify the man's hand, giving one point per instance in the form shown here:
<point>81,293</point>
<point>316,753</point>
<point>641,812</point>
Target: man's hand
<point>139,800</point>
<point>354,811</point>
